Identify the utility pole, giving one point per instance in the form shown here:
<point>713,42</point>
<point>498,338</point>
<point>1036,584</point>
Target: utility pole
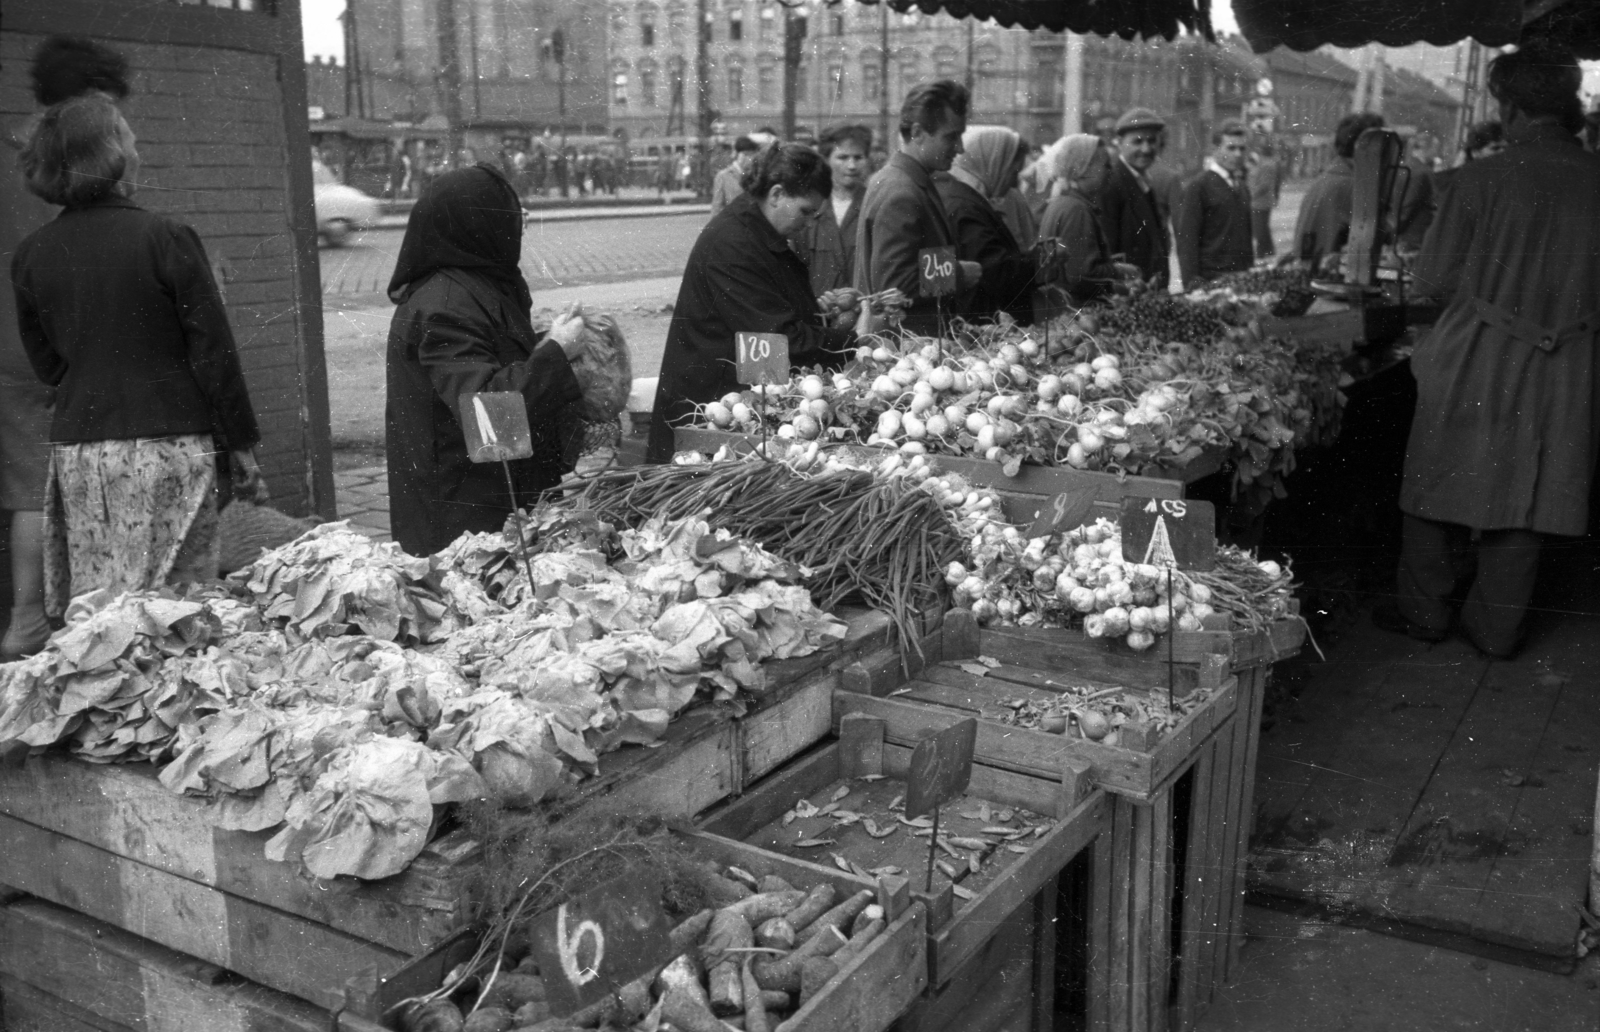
<point>884,128</point>
<point>704,116</point>
<point>794,34</point>
<point>558,52</point>
<point>1358,103</point>
<point>477,94</point>
<point>1072,86</point>
<point>1375,82</point>
<point>450,75</point>
<point>971,72</point>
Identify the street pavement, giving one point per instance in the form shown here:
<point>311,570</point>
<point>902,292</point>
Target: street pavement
<point>566,249</point>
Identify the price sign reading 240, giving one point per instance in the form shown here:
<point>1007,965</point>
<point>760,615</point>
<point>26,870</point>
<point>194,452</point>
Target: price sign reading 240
<point>937,266</point>
<point>761,358</point>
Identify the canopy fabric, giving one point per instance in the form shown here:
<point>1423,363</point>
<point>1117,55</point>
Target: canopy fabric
<point>1308,24</point>
<point>1130,19</point>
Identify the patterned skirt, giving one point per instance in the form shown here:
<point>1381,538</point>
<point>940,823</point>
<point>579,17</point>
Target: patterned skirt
<point>129,515</point>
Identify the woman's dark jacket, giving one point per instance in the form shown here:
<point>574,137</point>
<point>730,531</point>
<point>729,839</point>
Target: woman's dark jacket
<point>118,311</point>
<point>828,246</point>
<point>457,333</point>
<point>742,276</point>
<point>1088,272</point>
<point>982,237</point>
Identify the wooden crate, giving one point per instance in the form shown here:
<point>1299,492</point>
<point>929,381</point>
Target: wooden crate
<point>61,971</point>
<point>866,996</point>
<point>112,843</point>
<point>1023,497</point>
<point>959,928</point>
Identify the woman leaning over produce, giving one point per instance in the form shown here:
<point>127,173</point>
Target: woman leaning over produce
<point>743,276</point>
<point>463,326</point>
<point>118,311</point>
<point>987,168</point>
<point>1083,165</point>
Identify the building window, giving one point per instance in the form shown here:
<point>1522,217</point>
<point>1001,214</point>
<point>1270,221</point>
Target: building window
<point>838,25</point>
<point>871,80</point>
<point>836,82</point>
<point>619,21</point>
<point>619,90</point>
<point>908,76</point>
<point>735,86</point>
<point>767,84</point>
<point>736,26</point>
<point>945,68</point>
<point>800,82</point>
<point>768,21</point>
<point>647,29</point>
<point>675,27</point>
<point>647,87</point>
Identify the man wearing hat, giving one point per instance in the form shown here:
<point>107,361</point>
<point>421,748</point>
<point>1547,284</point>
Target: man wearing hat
<point>1130,212</point>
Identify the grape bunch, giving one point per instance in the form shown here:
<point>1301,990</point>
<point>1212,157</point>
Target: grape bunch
<point>1164,318</point>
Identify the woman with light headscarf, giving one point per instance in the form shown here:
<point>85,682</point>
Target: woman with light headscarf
<point>1082,167</point>
<point>992,157</point>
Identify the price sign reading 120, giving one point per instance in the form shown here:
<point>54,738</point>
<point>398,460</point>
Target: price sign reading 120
<point>937,266</point>
<point>761,358</point>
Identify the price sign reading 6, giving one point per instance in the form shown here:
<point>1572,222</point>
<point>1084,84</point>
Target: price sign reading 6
<point>761,358</point>
<point>607,937</point>
<point>937,268</point>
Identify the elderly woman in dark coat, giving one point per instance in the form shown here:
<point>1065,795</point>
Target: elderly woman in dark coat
<point>463,326</point>
<point>743,276</point>
<point>117,310</point>
<point>1507,429</point>
<point>1072,220</point>
<point>985,171</point>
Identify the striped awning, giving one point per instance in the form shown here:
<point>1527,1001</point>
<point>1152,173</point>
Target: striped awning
<point>1308,24</point>
<point>1130,19</point>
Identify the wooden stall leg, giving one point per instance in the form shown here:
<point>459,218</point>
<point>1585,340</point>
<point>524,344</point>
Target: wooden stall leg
<point>1199,882</point>
<point>1102,872</point>
<point>1161,874</point>
<point>1211,957</point>
<point>1044,957</point>
<point>1122,946</point>
<point>1249,721</point>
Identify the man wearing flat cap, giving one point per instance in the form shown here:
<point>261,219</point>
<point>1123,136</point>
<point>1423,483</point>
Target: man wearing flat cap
<point>1130,213</point>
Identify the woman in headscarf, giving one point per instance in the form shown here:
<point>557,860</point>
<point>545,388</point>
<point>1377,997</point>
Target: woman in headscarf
<point>743,276</point>
<point>987,168</point>
<point>463,326</point>
<point>1083,165</point>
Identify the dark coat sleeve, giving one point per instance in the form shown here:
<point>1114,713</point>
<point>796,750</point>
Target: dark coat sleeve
<point>47,363</point>
<point>897,235</point>
<point>982,237</point>
<point>213,358</point>
<point>1190,224</point>
<point>1088,271</point>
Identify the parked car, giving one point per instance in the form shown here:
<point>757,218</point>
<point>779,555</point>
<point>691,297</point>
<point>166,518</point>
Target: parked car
<point>341,210</point>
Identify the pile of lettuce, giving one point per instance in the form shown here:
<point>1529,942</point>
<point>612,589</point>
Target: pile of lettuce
<point>339,690</point>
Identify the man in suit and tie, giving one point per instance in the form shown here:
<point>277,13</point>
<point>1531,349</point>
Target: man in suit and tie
<point>1213,223</point>
<point>1130,212</point>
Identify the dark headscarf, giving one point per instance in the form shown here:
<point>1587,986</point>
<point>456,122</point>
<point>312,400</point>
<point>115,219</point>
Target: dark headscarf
<point>467,219</point>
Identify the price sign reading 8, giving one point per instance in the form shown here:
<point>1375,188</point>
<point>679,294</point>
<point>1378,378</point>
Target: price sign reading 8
<point>937,267</point>
<point>761,358</point>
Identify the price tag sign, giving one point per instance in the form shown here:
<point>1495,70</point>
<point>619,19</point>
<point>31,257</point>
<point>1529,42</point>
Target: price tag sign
<point>936,271</point>
<point>588,947</point>
<point>941,767</point>
<point>1066,511</point>
<point>1169,532</point>
<point>496,426</point>
<point>761,358</point>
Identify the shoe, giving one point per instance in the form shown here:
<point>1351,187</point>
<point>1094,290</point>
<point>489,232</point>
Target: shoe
<point>1386,616</point>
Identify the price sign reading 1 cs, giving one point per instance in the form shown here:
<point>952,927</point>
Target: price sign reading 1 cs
<point>936,271</point>
<point>1169,532</point>
<point>587,947</point>
<point>761,358</point>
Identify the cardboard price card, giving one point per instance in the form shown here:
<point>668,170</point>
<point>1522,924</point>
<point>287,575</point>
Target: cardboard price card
<point>496,426</point>
<point>936,271</point>
<point>1068,510</point>
<point>761,358</point>
<point>589,946</point>
<point>1169,532</point>
<point>941,767</point>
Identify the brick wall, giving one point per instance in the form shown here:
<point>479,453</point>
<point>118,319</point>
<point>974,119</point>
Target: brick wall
<point>211,133</point>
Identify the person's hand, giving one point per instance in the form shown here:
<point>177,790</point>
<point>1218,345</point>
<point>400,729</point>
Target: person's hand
<point>870,319</point>
<point>248,482</point>
<point>1128,271</point>
<point>969,275</point>
<point>840,299</point>
<point>1049,256</point>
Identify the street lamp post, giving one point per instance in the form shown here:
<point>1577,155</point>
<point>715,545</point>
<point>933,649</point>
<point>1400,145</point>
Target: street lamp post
<point>794,33</point>
<point>558,53</point>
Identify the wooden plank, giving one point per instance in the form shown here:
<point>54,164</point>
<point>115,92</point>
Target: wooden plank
<point>1119,875</point>
<point>120,978</point>
<point>987,992</point>
<point>24,1008</point>
<point>876,987</point>
<point>951,947</point>
<point>1143,899</point>
<point>1101,945</point>
<point>1253,682</point>
<point>1196,877</point>
<point>280,951</point>
<point>770,799</point>
<point>1210,957</point>
<point>1161,899</point>
<point>1000,786</point>
<point>1044,955</point>
<point>124,809</point>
